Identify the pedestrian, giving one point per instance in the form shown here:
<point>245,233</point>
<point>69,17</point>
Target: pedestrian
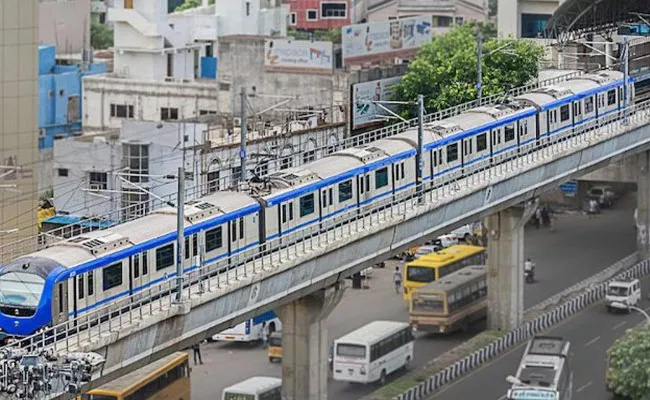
<point>397,280</point>
<point>265,335</point>
<point>538,217</point>
<point>593,208</point>
<point>546,216</point>
<point>197,352</point>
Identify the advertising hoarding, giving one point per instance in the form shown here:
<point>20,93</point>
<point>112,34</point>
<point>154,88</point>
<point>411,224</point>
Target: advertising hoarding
<point>363,111</point>
<point>374,41</point>
<point>298,55</point>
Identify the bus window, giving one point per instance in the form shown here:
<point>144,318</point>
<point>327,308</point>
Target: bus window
<point>420,274</point>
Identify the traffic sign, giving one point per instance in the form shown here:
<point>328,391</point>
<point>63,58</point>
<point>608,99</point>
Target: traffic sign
<point>569,188</point>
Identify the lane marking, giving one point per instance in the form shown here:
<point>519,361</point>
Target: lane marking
<point>583,387</point>
<point>592,341</point>
<point>502,397</point>
<point>615,327</point>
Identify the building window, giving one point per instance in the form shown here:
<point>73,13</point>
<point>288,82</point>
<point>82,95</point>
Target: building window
<point>458,20</point>
<point>286,162</point>
<point>128,4</point>
<point>135,203</point>
<point>62,172</point>
<point>207,112</point>
<point>213,181</point>
<point>121,111</point>
<point>442,22</point>
<point>235,174</point>
<point>333,10</point>
<point>168,114</point>
<point>308,156</point>
<point>73,109</point>
<point>164,257</point>
<point>306,205</point>
<point>98,180</point>
<point>312,15</point>
<point>293,18</point>
<point>248,8</point>
<point>135,158</point>
<point>112,276</point>
<point>262,169</point>
<point>533,25</point>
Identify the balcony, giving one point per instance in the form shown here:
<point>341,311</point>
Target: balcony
<point>144,26</point>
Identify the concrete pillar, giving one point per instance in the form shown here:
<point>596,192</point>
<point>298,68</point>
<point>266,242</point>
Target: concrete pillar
<point>643,204</point>
<point>508,19</point>
<point>609,51</point>
<point>505,264</point>
<point>305,345</point>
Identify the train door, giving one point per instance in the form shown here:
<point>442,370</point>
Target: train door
<point>237,236</point>
<point>436,163</point>
<point>135,273</point>
<point>327,204</point>
<point>495,143</point>
<point>468,150</point>
<point>60,303</point>
<point>91,290</point>
<point>190,252</point>
<point>363,183</point>
<point>577,112</point>
<point>287,216</point>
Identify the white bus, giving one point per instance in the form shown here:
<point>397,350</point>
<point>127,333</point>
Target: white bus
<point>255,388</point>
<point>250,330</point>
<point>373,352</point>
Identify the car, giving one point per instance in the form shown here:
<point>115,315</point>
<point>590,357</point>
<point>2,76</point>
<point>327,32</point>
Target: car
<point>427,249</point>
<point>444,241</point>
<point>603,194</point>
<point>463,233</point>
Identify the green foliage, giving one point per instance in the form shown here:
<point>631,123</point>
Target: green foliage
<point>629,367</point>
<point>101,36</point>
<point>328,35</point>
<point>493,8</point>
<point>190,4</point>
<point>444,70</point>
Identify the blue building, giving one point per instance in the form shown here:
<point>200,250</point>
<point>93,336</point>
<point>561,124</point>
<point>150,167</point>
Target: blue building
<point>59,96</point>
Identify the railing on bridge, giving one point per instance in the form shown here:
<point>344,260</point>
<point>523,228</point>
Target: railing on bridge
<point>24,246</point>
<point>73,334</point>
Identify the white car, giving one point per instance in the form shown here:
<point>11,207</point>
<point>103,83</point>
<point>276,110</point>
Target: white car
<point>622,293</point>
<point>445,241</point>
<point>463,233</point>
<point>605,195</point>
<point>427,249</point>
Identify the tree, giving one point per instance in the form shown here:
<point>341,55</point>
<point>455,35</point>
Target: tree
<point>101,36</point>
<point>493,7</point>
<point>190,4</point>
<point>444,70</point>
<point>629,364</point>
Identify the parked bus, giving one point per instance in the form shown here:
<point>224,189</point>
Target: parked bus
<point>250,330</point>
<point>434,266</point>
<point>373,352</point>
<point>255,388</point>
<point>544,371</point>
<point>167,378</point>
<point>455,301</point>
<point>275,347</point>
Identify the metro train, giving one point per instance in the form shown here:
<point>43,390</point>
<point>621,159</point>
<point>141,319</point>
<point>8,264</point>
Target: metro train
<point>73,277</point>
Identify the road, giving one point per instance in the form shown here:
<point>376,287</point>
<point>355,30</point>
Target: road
<point>579,248</point>
<point>591,333</point>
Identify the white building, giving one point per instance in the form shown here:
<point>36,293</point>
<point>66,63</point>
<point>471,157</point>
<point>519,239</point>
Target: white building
<point>525,18</point>
<point>96,175</point>
<point>445,13</point>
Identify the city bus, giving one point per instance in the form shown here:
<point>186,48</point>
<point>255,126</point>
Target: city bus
<point>167,378</point>
<point>255,388</point>
<point>250,330</point>
<point>373,352</point>
<point>434,266</point>
<point>455,301</point>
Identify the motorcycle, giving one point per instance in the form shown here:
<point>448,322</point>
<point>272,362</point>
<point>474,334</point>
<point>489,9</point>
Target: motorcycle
<point>529,275</point>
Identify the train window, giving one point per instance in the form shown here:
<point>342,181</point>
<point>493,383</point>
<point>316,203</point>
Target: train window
<point>195,245</point>
<point>452,152</point>
<point>164,257</point>
<point>403,170</point>
<point>435,158</point>
<point>324,203</point>
<point>290,211</point>
<point>241,228</point>
<point>112,276</point>
<point>345,191</point>
<point>362,187</point>
<point>367,183</point>
<point>136,266</point>
<point>331,192</point>
<point>80,286</point>
<point>186,249</point>
<point>611,97</point>
<point>60,297</point>
<point>145,264</point>
<point>90,276</point>
<point>284,213</point>
<point>306,205</point>
<point>564,113</point>
<point>233,230</point>
<point>213,239</point>
<point>589,104</point>
<point>381,178</point>
<point>481,142</point>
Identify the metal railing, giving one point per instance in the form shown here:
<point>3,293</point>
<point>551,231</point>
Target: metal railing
<point>21,247</point>
<point>219,276</point>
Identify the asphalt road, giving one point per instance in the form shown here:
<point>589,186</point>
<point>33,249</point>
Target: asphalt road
<point>579,248</point>
<point>590,332</point>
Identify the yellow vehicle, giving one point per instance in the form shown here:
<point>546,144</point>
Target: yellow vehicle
<point>451,303</point>
<point>167,378</point>
<point>275,347</point>
<point>434,266</point>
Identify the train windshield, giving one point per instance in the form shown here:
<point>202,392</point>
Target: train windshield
<point>21,289</point>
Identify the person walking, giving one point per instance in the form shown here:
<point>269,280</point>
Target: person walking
<point>196,348</point>
<point>397,280</point>
<point>538,217</point>
<point>265,334</point>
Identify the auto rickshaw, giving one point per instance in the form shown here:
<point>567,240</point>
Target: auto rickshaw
<point>275,347</point>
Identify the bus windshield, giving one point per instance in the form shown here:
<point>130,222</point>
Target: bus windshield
<point>351,351</point>
<point>21,289</point>
<point>420,274</point>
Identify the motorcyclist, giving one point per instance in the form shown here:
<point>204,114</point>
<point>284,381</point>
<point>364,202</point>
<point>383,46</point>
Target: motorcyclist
<point>529,269</point>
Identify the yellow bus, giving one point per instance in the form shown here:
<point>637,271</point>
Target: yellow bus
<point>451,303</point>
<point>434,266</point>
<point>165,379</point>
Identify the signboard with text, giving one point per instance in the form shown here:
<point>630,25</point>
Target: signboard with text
<point>298,55</point>
<point>364,112</point>
<point>377,40</point>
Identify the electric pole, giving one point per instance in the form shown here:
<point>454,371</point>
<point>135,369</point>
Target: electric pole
<point>479,67</point>
<point>626,73</point>
<point>420,159</point>
<point>180,228</point>
<point>244,133</point>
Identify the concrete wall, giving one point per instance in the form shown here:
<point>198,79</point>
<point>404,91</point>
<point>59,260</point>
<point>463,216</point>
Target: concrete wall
<point>64,24</point>
<point>624,171</point>
<point>18,117</point>
<point>470,10</point>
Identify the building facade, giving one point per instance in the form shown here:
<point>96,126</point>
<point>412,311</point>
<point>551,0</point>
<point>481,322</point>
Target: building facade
<point>18,116</point>
<point>445,13</point>
<point>320,14</point>
<point>525,18</point>
<point>64,24</point>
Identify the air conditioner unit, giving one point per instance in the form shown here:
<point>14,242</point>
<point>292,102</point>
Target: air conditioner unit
<point>169,79</point>
<point>95,186</point>
<point>236,122</point>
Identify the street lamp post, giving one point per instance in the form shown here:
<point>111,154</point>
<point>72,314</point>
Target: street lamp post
<point>479,68</point>
<point>633,308</point>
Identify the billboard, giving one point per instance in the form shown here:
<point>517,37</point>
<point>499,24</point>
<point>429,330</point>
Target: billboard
<point>298,55</point>
<point>376,40</point>
<point>363,111</point>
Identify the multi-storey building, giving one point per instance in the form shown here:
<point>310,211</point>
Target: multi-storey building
<point>320,14</point>
<point>525,18</point>
<point>445,13</point>
<point>64,24</point>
